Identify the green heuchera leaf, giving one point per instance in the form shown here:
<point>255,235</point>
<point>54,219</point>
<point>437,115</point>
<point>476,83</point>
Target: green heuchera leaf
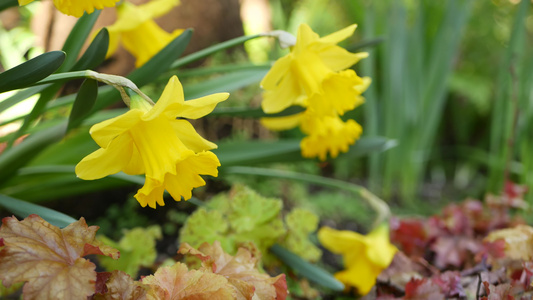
<point>137,248</point>
<point>238,217</point>
<point>300,223</point>
<point>4,291</point>
<point>206,226</point>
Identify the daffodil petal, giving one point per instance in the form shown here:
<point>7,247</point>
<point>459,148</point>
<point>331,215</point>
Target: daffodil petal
<point>24,2</point>
<point>190,138</point>
<point>104,162</point>
<point>197,108</point>
<point>104,132</point>
<point>188,175</point>
<point>363,277</point>
<point>173,93</point>
<point>276,73</point>
<point>277,100</point>
<point>76,8</point>
<point>136,165</point>
<point>337,58</point>
<point>114,40</point>
<point>340,241</point>
<point>151,193</point>
<point>157,8</point>
<point>304,37</point>
<point>338,36</point>
<point>282,123</point>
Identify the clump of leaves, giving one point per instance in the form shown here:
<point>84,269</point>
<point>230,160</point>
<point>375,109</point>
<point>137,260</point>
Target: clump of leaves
<point>242,215</point>
<point>472,250</point>
<point>137,249</point>
<point>51,262</point>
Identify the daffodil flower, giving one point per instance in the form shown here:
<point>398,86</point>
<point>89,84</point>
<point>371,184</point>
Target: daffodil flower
<point>365,257</point>
<point>150,140</point>
<point>301,72</point>
<point>76,8</point>
<point>136,29</point>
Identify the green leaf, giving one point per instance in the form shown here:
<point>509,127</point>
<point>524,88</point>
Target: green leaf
<point>137,249</point>
<point>95,54</point>
<point>31,71</point>
<point>307,270</point>
<point>210,50</point>
<point>148,72</point>
<point>76,39</point>
<point>255,152</point>
<point>83,104</point>
<point>16,157</point>
<point>7,4</point>
<point>300,224</point>
<point>20,96</point>
<point>23,209</point>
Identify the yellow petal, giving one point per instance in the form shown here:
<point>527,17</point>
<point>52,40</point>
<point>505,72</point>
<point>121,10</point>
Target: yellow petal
<point>188,175</point>
<point>274,76</point>
<point>338,36</point>
<point>76,8</point>
<point>362,276</point>
<point>104,132</point>
<point>340,241</point>
<point>337,58</point>
<point>285,95</point>
<point>173,93</point>
<point>151,193</point>
<point>282,123</point>
<point>304,37</point>
<point>197,108</point>
<point>114,40</point>
<point>157,8</point>
<point>190,138</point>
<point>24,2</point>
<point>135,166</point>
<point>159,147</point>
<point>104,162</point>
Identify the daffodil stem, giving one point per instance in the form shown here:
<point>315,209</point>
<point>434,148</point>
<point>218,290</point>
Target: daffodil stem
<point>377,204</point>
<point>117,82</point>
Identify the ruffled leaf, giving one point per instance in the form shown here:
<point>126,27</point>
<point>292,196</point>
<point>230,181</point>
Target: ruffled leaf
<point>49,259</point>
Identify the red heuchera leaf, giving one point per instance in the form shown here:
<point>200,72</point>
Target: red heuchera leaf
<point>178,282</point>
<point>101,279</point>
<point>119,285</point>
<point>47,258</point>
<point>240,270</point>
<point>450,284</point>
<point>410,235</point>
<point>454,250</point>
<point>499,292</point>
<point>417,289</point>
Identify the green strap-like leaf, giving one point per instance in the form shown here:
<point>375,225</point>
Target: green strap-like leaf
<point>307,270</point>
<point>7,4</point>
<point>148,72</point>
<point>83,104</point>
<point>23,209</point>
<point>257,152</point>
<point>76,39</point>
<point>95,54</point>
<point>31,71</point>
<point>20,96</point>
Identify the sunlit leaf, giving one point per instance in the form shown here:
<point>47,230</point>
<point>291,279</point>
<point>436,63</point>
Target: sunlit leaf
<point>518,241</point>
<point>240,270</point>
<point>300,224</point>
<point>120,285</point>
<point>178,282</point>
<point>50,260</point>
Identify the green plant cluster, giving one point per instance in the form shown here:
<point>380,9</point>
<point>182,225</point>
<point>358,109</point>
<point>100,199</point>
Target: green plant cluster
<point>242,215</point>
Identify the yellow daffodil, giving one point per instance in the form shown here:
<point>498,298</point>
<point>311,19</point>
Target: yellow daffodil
<point>327,134</point>
<point>341,92</point>
<point>364,256</point>
<point>150,140</point>
<point>136,29</point>
<point>76,8</point>
<point>300,73</point>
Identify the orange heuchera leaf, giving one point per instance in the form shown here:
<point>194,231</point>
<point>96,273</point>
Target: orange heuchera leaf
<point>49,259</point>
<point>178,282</point>
<point>120,285</point>
<point>240,270</point>
<point>518,241</point>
